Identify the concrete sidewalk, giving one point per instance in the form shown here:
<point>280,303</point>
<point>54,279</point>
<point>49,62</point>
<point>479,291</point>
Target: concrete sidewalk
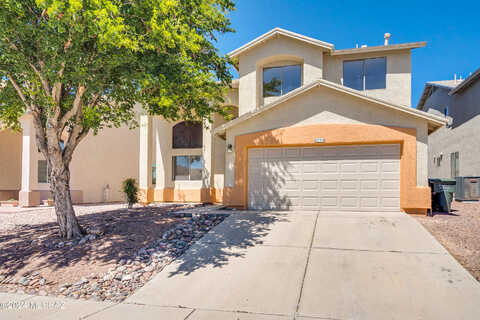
<point>295,266</point>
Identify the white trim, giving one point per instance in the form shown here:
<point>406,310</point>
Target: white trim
<point>393,47</point>
<point>279,31</point>
<point>433,119</point>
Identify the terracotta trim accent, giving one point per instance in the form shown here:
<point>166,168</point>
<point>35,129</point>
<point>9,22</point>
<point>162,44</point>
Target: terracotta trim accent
<point>186,195</point>
<point>145,196</point>
<point>8,194</point>
<point>412,198</point>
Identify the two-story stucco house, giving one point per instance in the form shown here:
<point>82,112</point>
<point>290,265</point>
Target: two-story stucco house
<point>314,128</point>
<point>454,149</point>
<point>317,129</point>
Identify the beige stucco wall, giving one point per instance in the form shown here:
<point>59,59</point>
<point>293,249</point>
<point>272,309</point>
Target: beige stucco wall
<point>270,53</point>
<point>108,158</point>
<point>399,70</point>
<point>323,105</point>
<point>231,97</point>
<point>10,161</point>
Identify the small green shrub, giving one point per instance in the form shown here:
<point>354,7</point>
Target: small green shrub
<point>130,189</point>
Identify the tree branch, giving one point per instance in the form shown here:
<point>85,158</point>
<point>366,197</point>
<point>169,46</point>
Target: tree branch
<point>44,81</point>
<point>77,104</point>
<point>40,134</point>
<point>19,91</point>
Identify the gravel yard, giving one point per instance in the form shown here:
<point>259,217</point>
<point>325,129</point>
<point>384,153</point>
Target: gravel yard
<point>459,233</point>
<point>122,250</point>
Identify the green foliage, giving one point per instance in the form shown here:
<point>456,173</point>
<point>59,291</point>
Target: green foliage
<point>159,53</point>
<point>130,189</point>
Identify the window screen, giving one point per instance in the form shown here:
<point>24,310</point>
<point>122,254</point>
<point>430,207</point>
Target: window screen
<point>187,135</point>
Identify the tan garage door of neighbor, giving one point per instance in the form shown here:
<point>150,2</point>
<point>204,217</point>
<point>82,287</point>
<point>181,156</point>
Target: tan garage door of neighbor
<point>330,178</point>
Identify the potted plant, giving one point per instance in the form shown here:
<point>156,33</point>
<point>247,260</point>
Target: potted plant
<point>130,189</point>
<point>48,202</point>
<point>9,203</point>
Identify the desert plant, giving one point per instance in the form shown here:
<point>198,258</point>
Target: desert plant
<point>130,189</point>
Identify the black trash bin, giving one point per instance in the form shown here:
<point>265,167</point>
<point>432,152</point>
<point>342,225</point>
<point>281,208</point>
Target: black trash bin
<point>442,194</point>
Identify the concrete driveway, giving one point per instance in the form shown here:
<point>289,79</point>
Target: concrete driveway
<point>291,266</point>
<point>309,266</point>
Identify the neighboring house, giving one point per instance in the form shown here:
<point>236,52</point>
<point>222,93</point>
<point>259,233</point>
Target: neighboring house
<point>314,129</point>
<point>454,149</point>
<point>98,167</point>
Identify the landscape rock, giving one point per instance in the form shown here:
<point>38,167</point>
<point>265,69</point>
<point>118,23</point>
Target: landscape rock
<point>127,277</point>
<point>24,281</point>
<point>129,273</point>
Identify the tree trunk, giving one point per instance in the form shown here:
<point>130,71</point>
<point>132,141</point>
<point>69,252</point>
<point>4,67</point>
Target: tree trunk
<point>60,188</point>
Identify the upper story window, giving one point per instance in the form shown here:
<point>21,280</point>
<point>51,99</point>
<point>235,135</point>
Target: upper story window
<point>187,135</point>
<point>278,81</point>
<point>366,74</point>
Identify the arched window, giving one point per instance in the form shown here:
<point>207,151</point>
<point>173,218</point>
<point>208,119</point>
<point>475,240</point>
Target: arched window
<point>187,135</point>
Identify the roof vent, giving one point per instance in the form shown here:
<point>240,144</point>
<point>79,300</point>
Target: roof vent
<point>387,36</point>
<point>363,46</point>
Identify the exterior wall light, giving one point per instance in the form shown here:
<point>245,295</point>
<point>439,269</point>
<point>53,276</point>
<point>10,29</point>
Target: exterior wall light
<point>229,147</point>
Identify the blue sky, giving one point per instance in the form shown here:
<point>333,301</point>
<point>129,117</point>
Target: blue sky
<point>451,29</point>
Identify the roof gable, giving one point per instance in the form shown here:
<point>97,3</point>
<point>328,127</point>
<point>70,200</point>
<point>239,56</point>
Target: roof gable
<point>466,83</point>
<point>433,120</point>
<point>279,31</point>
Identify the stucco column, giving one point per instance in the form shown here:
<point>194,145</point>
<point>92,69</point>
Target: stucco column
<point>163,145</point>
<point>145,160</point>
<point>207,175</point>
<point>27,196</point>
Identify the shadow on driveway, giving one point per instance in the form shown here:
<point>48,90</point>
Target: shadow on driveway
<point>238,231</point>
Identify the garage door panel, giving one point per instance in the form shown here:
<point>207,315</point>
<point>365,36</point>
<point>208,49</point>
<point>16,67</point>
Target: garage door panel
<point>328,167</point>
<point>391,185</point>
<point>345,178</point>
<point>369,202</point>
<point>349,167</point>
<point>274,153</point>
<point>390,166</point>
<point>369,185</point>
<point>292,152</point>
<point>292,167</point>
<point>369,167</point>
<point>390,202</point>
<point>328,185</point>
<point>349,185</point>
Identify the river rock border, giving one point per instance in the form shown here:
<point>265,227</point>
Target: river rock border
<point>130,274</point>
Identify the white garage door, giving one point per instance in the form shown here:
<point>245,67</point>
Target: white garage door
<point>339,178</point>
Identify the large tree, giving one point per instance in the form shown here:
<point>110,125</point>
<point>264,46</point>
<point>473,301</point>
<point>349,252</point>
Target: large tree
<point>78,66</point>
